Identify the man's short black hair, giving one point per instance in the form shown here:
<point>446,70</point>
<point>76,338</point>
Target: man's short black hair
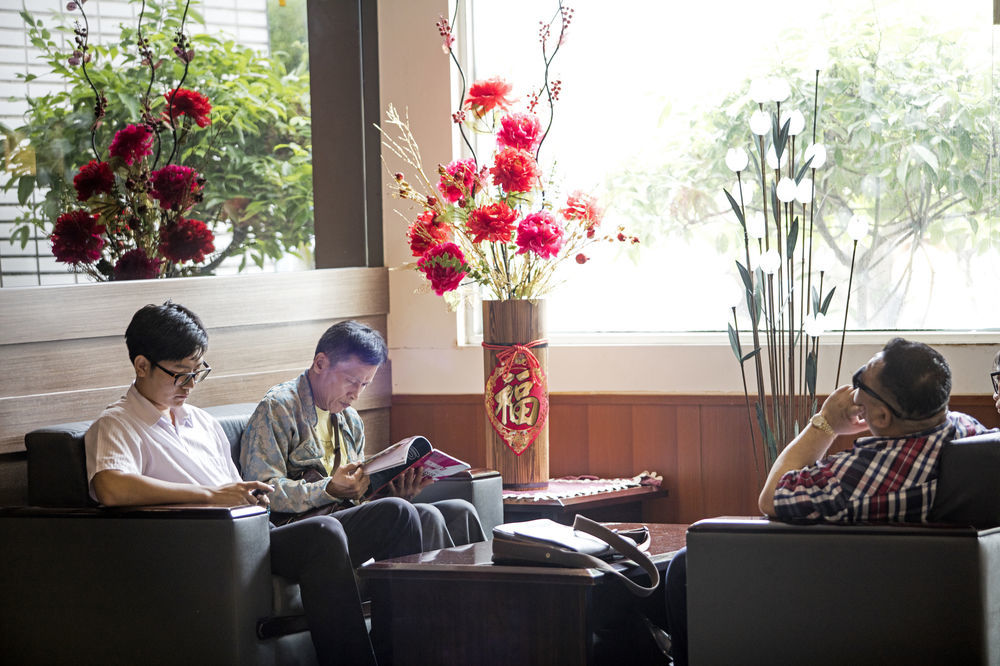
<point>350,338</point>
<point>168,332</point>
<point>917,375</point>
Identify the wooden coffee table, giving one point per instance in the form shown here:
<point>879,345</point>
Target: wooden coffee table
<point>454,606</point>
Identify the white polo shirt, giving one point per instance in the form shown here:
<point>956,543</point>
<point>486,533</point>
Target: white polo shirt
<point>133,436</point>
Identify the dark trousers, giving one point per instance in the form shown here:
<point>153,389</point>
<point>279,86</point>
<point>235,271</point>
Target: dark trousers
<point>675,587</point>
<point>321,553</point>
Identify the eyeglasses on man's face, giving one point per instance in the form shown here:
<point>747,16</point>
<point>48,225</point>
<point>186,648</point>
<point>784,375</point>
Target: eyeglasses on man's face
<point>995,377</point>
<point>859,384</point>
<point>184,378</point>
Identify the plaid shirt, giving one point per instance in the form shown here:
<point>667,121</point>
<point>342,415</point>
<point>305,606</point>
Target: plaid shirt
<point>279,446</point>
<point>882,479</point>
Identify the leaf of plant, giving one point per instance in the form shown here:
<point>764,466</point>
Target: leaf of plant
<point>736,209</point>
<point>826,301</point>
<point>750,355</point>
<point>811,373</point>
<point>734,343</point>
<point>815,299</point>
<point>25,186</point>
<point>802,171</point>
<point>793,237</point>
<point>927,156</point>
<point>745,275</point>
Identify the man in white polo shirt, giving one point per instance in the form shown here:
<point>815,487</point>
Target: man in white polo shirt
<point>151,448</point>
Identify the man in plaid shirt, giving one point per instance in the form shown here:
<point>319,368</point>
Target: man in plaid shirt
<point>901,396</point>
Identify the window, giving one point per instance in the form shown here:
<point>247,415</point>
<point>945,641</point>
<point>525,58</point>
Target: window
<point>654,93</point>
<point>263,151</point>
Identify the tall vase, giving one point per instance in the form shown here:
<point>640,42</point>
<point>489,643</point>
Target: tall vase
<point>516,397</point>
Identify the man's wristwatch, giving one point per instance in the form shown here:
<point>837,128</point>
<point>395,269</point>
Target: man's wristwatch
<point>819,422</point>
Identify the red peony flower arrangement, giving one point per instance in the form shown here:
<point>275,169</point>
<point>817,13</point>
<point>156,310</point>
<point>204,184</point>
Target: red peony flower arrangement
<point>135,223</point>
<point>494,222</point>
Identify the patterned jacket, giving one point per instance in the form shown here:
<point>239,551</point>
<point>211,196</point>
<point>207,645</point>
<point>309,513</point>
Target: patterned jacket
<point>882,479</point>
<point>279,447</point>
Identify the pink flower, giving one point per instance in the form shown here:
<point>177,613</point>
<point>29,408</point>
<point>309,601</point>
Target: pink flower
<point>92,178</point>
<point>540,233</point>
<point>520,130</point>
<point>426,232</point>
<point>583,207</point>
<point>76,238</point>
<point>173,186</point>
<point>444,265</point>
<point>486,95</point>
<point>458,180</point>
<point>136,265</point>
<point>186,240</point>
<point>188,103</point>
<point>493,223</point>
<point>131,143</point>
<point>515,170</point>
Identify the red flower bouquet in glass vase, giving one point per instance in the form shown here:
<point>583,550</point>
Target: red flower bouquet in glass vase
<point>496,221</point>
<point>132,217</point>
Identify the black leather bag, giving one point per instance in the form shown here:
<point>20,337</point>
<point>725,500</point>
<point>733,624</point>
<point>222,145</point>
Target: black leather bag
<point>587,544</point>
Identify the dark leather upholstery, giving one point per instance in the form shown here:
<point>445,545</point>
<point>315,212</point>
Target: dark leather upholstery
<point>765,592</point>
<point>144,581</point>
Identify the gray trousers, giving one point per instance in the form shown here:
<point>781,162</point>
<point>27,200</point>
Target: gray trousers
<point>449,523</point>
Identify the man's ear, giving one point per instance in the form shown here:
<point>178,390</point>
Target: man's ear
<point>879,416</point>
<point>142,366</point>
<point>320,362</point>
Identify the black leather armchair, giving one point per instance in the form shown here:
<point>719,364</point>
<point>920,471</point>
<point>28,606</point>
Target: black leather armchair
<point>766,592</point>
<point>85,584</point>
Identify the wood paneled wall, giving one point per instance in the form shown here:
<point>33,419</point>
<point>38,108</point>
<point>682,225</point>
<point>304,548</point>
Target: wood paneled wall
<point>63,355</point>
<point>699,444</point>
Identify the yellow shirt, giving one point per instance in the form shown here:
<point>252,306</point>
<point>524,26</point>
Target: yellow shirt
<point>328,435</point>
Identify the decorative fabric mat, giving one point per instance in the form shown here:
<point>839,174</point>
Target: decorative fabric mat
<point>573,487</point>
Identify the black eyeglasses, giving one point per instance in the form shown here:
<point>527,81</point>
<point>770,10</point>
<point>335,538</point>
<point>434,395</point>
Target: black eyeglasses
<point>995,376</point>
<point>184,378</point>
<point>858,384</point>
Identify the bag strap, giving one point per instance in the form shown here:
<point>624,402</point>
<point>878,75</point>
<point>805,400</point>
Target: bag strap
<point>625,547</point>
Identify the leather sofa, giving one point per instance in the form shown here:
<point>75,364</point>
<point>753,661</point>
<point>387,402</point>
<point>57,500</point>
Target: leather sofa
<point>155,585</point>
<point>765,592</point>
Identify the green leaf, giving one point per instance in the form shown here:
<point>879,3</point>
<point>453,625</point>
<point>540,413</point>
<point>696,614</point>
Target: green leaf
<point>736,209</point>
<point>802,171</point>
<point>826,301</point>
<point>793,236</point>
<point>745,275</point>
<point>734,343</point>
<point>25,186</point>
<point>811,373</point>
<point>927,156</point>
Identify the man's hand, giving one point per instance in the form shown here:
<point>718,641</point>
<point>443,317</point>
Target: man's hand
<point>245,492</point>
<point>409,483</point>
<point>842,414</point>
<point>348,482</point>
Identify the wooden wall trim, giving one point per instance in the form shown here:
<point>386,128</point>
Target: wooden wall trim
<point>63,356</point>
<point>40,314</point>
<point>700,444</point>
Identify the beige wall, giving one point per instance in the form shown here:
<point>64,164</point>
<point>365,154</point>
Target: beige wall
<point>423,334</point>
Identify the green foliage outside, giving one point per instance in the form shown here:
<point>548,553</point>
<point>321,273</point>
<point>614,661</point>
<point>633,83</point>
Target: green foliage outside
<point>256,156</point>
<point>910,131</point>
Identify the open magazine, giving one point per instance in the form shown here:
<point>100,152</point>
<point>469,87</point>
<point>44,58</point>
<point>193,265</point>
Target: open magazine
<point>392,461</point>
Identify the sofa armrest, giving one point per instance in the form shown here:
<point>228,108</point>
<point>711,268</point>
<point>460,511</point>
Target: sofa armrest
<point>146,585</point>
<point>483,488</point>
<point>761,590</point>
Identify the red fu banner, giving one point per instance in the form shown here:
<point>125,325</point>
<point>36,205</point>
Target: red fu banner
<point>517,395</point>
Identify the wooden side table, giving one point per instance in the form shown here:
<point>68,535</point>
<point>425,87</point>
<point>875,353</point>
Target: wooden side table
<point>454,606</point>
<point>624,505</point>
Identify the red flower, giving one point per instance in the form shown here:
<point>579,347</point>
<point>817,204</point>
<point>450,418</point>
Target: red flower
<point>493,223</point>
<point>515,170</point>
<point>186,240</point>
<point>92,178</point>
<point>173,185</point>
<point>539,233</point>
<point>76,238</point>
<point>486,95</point>
<point>426,232</point>
<point>131,143</point>
<point>520,130</point>
<point>458,180</point>
<point>188,103</point>
<point>583,207</point>
<point>136,265</point>
<point>444,265</point>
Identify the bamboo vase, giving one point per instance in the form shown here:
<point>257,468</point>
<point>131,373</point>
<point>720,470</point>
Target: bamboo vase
<point>508,323</point>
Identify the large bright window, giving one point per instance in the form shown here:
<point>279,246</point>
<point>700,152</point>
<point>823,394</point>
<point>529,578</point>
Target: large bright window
<point>654,93</point>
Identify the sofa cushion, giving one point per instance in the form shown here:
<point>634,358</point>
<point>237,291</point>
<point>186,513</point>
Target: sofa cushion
<point>968,490</point>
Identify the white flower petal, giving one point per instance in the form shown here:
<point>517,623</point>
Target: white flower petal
<point>786,190</point>
<point>737,159</point>
<point>780,90</point>
<point>760,122</point>
<point>755,225</point>
<point>769,262</point>
<point>857,227</point>
<point>773,161</point>
<point>817,151</point>
<point>796,122</point>
<point>803,192</point>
